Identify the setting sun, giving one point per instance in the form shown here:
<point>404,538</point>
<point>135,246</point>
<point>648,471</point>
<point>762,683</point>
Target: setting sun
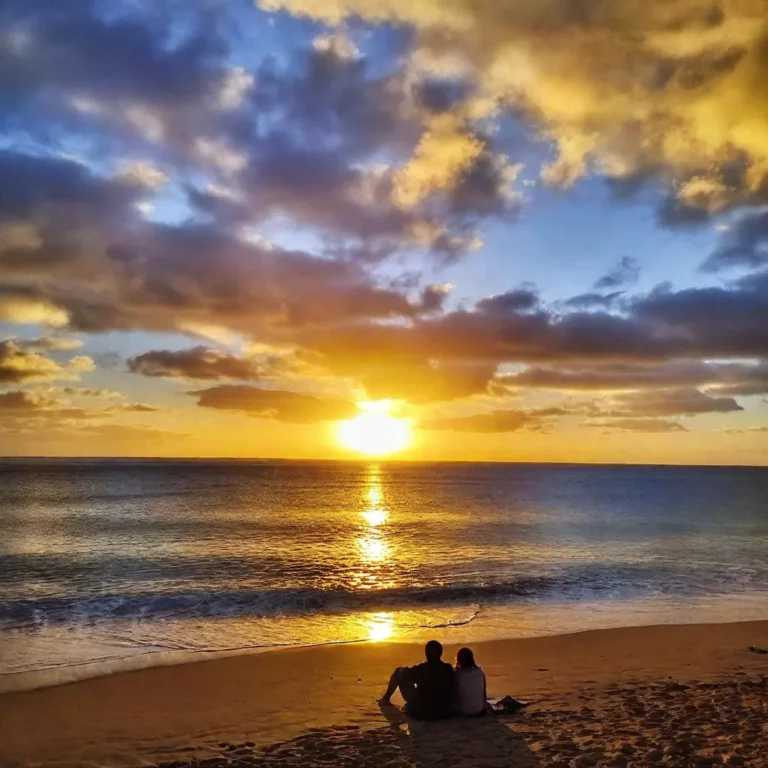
<point>375,432</point>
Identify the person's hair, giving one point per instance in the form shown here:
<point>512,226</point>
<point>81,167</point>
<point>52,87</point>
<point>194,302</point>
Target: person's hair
<point>465,658</point>
<point>433,650</point>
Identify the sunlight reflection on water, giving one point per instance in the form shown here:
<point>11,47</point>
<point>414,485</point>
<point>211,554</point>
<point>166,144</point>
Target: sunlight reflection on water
<point>381,626</point>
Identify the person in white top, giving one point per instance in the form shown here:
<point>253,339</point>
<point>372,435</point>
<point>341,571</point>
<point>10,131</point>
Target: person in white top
<point>469,692</point>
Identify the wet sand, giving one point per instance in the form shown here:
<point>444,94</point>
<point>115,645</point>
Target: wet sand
<point>626,698</point>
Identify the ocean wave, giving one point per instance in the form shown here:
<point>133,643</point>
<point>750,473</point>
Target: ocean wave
<point>258,603</point>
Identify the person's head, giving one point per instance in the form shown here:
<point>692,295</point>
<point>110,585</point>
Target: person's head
<point>433,651</point>
<point>465,658</point>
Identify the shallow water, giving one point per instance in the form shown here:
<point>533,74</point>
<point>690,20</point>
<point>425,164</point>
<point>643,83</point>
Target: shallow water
<point>117,559</point>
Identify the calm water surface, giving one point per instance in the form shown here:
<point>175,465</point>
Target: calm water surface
<point>115,560</point>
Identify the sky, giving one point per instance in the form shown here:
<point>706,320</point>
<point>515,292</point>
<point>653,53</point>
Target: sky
<point>537,231</point>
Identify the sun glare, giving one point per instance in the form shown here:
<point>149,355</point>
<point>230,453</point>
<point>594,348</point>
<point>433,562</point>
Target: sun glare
<point>375,432</point>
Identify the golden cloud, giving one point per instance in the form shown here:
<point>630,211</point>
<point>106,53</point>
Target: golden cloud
<point>676,87</point>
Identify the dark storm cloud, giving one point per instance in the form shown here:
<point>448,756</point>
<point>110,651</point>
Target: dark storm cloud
<point>625,273</point>
<point>196,363</point>
<point>286,406</point>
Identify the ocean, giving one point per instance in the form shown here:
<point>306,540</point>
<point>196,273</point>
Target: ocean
<point>116,564</point>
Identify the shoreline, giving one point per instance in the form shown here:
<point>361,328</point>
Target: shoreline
<point>137,717</point>
<point>34,678</point>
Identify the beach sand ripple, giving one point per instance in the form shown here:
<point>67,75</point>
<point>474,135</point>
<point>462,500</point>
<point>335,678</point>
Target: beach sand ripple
<point>631,725</point>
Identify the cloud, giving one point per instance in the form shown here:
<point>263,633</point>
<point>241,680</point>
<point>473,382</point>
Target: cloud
<point>103,268</point>
<point>744,245</point>
<point>30,311</point>
<point>136,75</point>
<point>107,394</point>
<point>495,421</point>
<point>20,366</point>
<point>195,363</point>
<point>517,301</point>
<point>723,378</point>
<point>674,90</point>
<point>592,300</point>
<point>678,402</point>
<point>133,408</point>
<point>636,425</point>
<point>20,400</point>
<point>414,380</point>
<point>281,405</point>
<point>625,273</point>
<point>158,89</point>
<point>51,344</point>
<point>45,411</point>
<point>22,410</point>
<point>658,342</point>
<point>141,173</point>
<point>711,322</point>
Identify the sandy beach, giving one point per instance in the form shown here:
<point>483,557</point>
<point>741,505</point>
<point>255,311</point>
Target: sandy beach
<point>690,695</point>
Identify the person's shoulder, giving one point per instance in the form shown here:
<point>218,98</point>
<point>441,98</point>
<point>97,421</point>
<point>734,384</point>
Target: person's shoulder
<point>446,665</point>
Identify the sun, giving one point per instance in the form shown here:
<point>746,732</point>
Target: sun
<point>375,432</point>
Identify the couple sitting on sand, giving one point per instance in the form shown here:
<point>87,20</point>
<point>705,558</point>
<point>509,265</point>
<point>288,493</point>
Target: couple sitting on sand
<point>434,690</point>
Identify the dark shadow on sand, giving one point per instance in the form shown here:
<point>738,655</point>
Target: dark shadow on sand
<point>459,741</point>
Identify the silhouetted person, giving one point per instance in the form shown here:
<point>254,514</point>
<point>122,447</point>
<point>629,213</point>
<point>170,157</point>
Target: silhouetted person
<point>470,694</point>
<point>427,688</point>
